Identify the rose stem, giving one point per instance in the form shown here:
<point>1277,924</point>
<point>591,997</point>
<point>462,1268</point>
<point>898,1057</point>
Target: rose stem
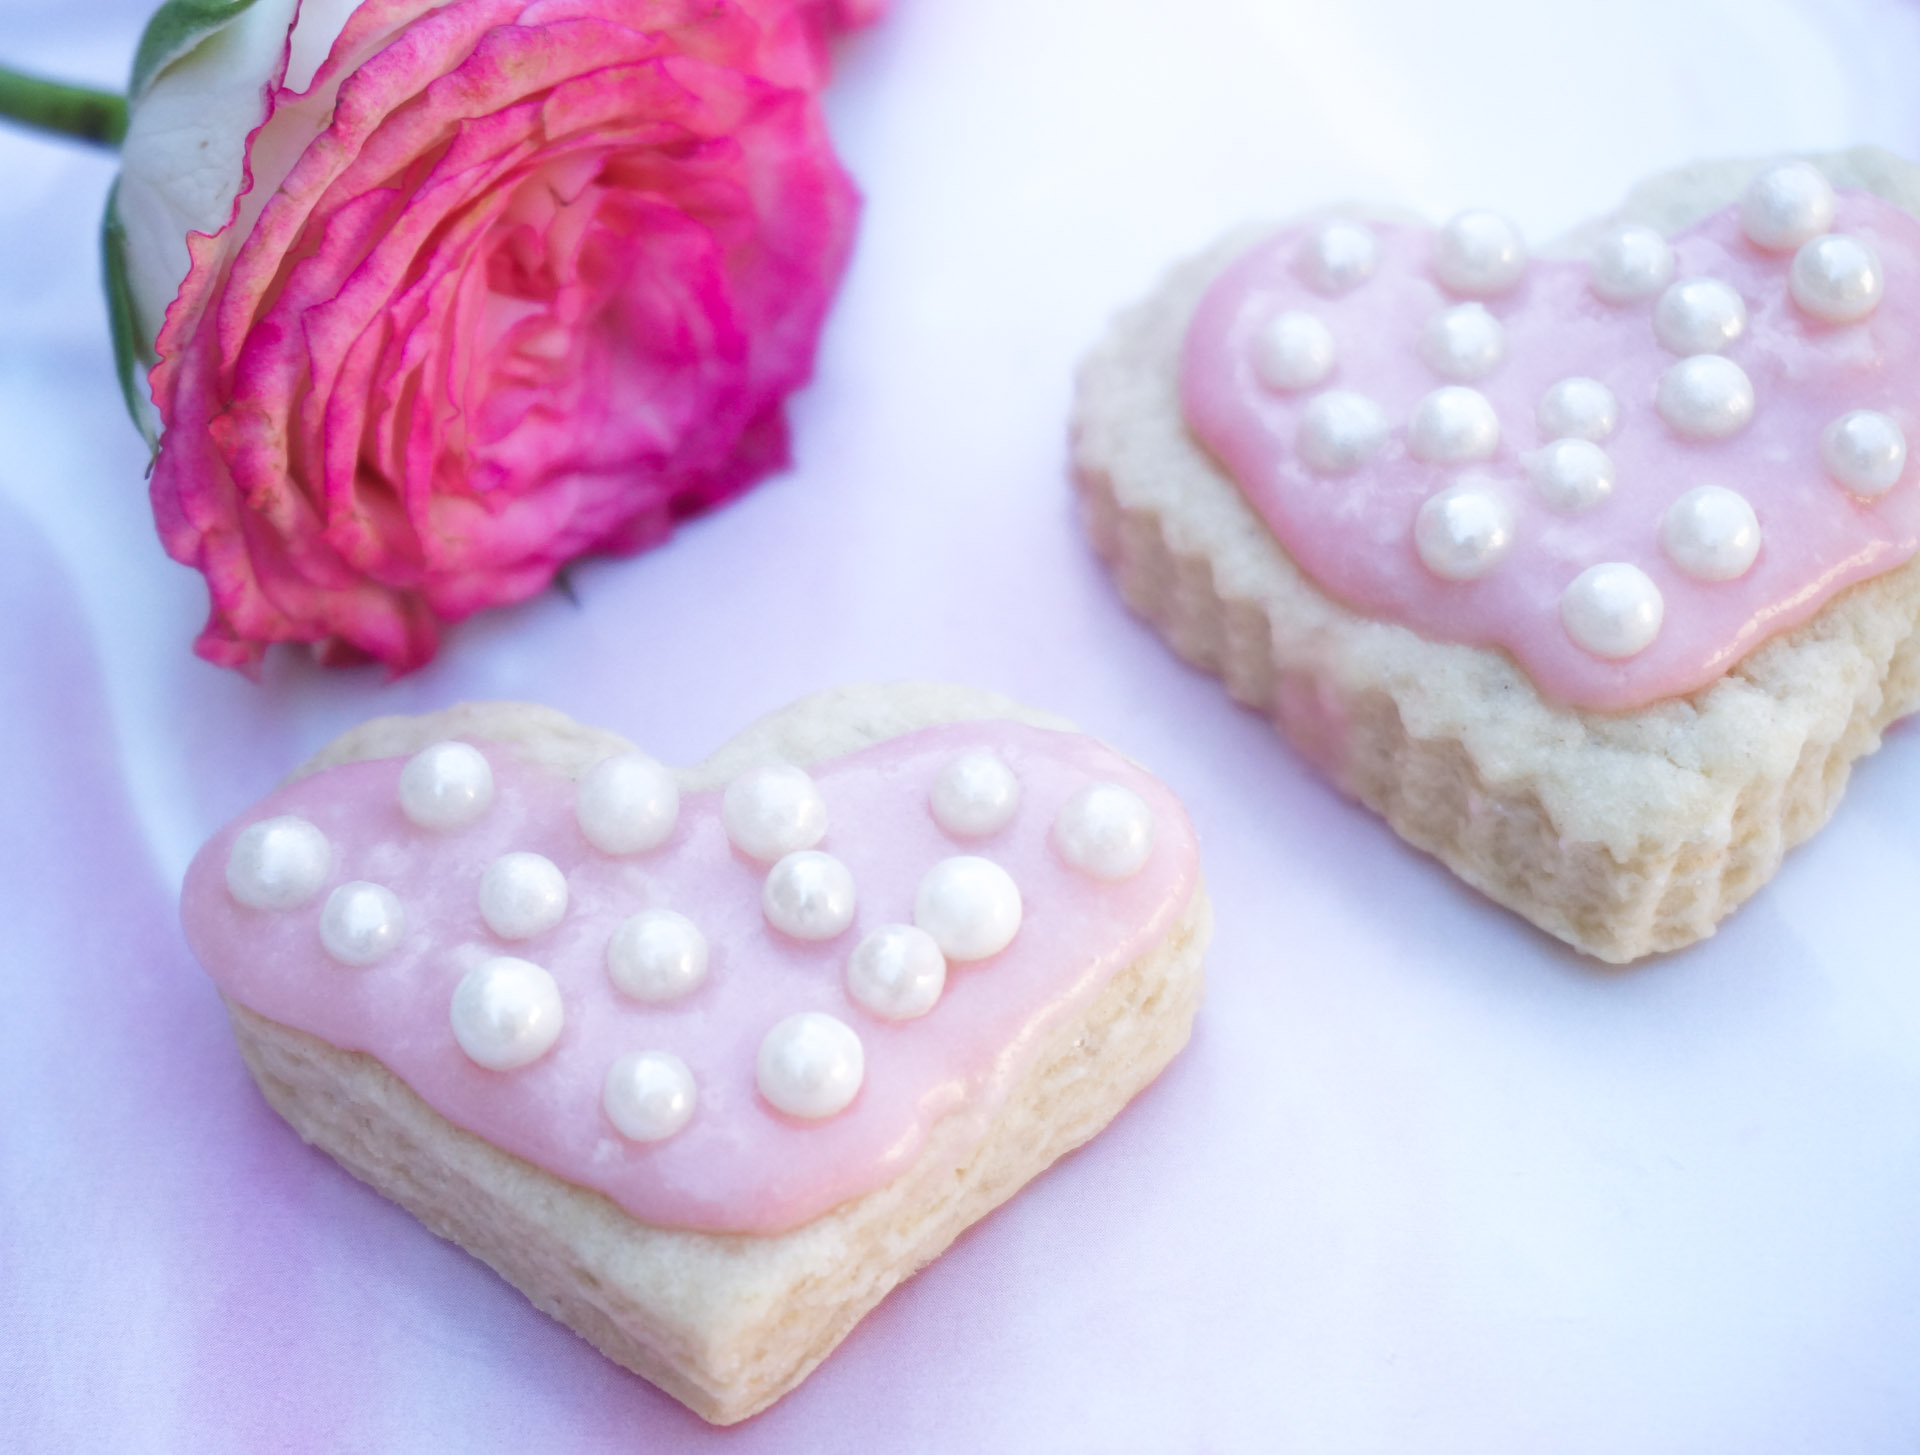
<point>99,117</point>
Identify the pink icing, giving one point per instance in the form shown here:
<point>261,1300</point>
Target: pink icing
<point>738,1165</point>
<point>1353,533</point>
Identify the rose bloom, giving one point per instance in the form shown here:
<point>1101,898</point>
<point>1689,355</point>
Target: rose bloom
<point>445,295</point>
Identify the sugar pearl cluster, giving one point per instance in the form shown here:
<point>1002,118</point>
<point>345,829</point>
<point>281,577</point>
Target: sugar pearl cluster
<point>507,1010</point>
<point>1507,479</point>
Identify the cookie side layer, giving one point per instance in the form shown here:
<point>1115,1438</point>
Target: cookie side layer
<point>728,1323</point>
<point>1622,834</point>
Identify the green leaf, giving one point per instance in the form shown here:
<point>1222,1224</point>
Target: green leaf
<point>132,353</point>
<point>176,28</point>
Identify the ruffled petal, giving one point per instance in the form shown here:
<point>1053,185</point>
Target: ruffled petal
<point>512,283</point>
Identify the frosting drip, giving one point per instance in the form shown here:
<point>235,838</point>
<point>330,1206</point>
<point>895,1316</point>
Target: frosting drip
<point>1756,416</point>
<point>712,1151</point>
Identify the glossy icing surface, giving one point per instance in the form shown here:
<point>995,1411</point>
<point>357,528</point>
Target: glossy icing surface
<point>737,1164</point>
<point>1353,528</point>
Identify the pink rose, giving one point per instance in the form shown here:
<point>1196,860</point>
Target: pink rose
<point>492,284</point>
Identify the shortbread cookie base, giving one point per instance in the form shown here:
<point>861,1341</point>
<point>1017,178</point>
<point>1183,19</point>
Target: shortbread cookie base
<point>725,1323</point>
<point>1623,834</point>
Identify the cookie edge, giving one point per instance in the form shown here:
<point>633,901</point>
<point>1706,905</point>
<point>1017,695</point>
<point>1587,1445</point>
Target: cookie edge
<point>1623,835</point>
<point>725,1323</point>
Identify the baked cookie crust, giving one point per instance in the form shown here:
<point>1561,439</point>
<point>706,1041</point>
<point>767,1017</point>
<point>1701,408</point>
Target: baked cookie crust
<point>725,1323</point>
<point>1622,834</point>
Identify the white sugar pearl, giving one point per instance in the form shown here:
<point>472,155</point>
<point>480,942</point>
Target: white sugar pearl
<point>1453,425</point>
<point>1479,254</point>
<point>628,804</point>
<point>1340,431</point>
<point>897,972</point>
<point>1630,263</point>
<point>1462,532</point>
<point>1838,279</point>
<point>1705,397</point>
<point>522,895</point>
<point>975,794</point>
<point>1711,533</point>
<point>1786,206</point>
<point>809,895</point>
<point>361,922</point>
<point>1294,351</point>
<point>278,863</point>
<point>657,955</point>
<point>1571,474</point>
<point>970,906</point>
<point>649,1095</point>
<point>1577,408</point>
<point>1464,342</point>
<point>1699,316</point>
<point>773,811</point>
<point>1612,610</point>
<point>506,1013</point>
<point>1337,256</point>
<point>811,1065</point>
<point>1105,830</point>
<point>446,786</point>
<point>1865,451</point>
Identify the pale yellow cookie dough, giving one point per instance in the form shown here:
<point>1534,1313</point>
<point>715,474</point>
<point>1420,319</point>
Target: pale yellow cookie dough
<point>1623,835</point>
<point>725,1323</point>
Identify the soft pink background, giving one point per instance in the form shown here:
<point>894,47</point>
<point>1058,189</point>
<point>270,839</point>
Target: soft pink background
<point>1424,1182</point>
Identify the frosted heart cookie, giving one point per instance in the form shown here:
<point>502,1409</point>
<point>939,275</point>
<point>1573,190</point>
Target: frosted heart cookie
<point>1591,571</point>
<point>705,1062</point>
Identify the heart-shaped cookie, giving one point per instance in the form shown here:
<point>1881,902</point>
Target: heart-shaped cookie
<point>1590,571</point>
<point>705,1062</point>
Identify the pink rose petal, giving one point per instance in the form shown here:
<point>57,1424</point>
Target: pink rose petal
<point>537,289</point>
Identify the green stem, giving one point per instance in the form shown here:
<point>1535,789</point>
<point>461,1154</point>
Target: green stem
<point>99,117</point>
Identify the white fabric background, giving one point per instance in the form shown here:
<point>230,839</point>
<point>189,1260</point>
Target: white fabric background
<point>1425,1180</point>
